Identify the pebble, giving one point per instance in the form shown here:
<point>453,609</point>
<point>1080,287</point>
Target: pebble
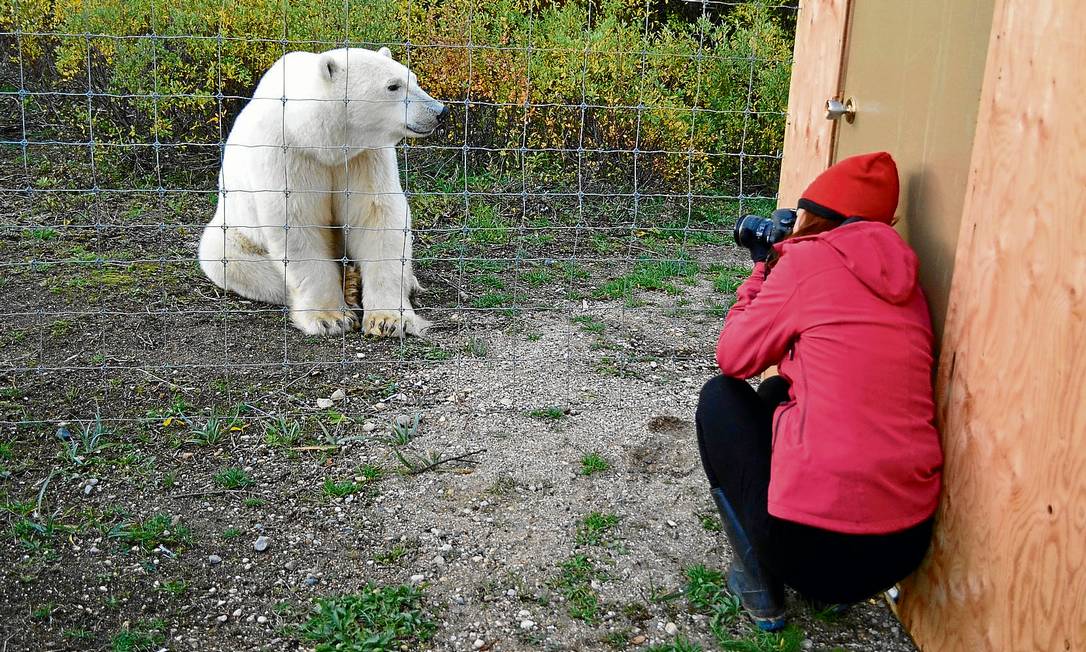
<point>807,644</point>
<point>415,579</point>
<point>310,581</point>
<point>368,426</point>
<point>339,395</point>
<point>671,628</point>
<point>638,640</point>
<point>404,421</point>
<point>63,434</point>
<point>88,489</point>
<point>262,619</point>
<point>223,618</point>
<point>479,643</point>
<point>237,613</point>
<point>324,403</point>
<point>439,561</point>
<point>261,544</point>
<point>214,560</point>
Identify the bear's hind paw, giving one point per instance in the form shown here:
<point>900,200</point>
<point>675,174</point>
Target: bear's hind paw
<point>352,285</point>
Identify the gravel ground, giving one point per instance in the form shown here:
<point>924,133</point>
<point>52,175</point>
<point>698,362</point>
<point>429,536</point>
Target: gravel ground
<point>520,398</point>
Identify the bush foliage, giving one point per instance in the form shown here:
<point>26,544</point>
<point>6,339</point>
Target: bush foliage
<point>697,93</point>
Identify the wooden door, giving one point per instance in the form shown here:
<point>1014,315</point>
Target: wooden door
<point>914,71</point>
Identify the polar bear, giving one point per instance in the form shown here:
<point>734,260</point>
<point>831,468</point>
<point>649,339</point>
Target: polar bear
<point>310,182</point>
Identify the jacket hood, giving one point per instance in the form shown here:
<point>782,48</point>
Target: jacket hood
<point>875,254</point>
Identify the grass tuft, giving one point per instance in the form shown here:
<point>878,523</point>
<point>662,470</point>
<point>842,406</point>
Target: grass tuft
<point>590,324</point>
<point>233,478</point>
<point>152,533</point>
<point>789,639</point>
<point>649,275</point>
<point>371,472</point>
<point>594,528</point>
<point>145,636</point>
<point>282,432</point>
<point>706,591</point>
<point>376,619</point>
<point>404,432</point>
<point>335,489</point>
<point>575,583</point>
<point>710,522</point>
<point>550,413</point>
<point>728,278</point>
<point>593,463</point>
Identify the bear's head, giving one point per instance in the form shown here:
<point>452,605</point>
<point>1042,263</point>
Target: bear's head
<point>356,98</point>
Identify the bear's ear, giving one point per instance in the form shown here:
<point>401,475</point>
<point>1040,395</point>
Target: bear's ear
<point>328,67</point>
<point>385,52</point>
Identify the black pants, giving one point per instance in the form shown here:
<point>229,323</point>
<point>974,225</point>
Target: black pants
<point>735,439</point>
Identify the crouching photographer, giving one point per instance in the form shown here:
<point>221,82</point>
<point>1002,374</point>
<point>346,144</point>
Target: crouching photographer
<point>827,477</point>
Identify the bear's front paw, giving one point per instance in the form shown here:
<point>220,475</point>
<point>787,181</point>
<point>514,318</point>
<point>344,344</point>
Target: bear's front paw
<point>324,322</point>
<point>393,323</point>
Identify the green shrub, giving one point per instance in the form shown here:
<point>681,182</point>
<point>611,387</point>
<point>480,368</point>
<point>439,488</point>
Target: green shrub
<point>692,92</point>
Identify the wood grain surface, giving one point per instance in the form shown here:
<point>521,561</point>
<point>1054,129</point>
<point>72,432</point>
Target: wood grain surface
<point>1008,566</point>
<point>816,77</point>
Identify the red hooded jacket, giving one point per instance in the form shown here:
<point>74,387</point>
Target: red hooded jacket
<point>843,316</point>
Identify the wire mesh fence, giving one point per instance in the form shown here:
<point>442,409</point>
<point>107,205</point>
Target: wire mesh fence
<point>595,153</point>
<point>570,222</point>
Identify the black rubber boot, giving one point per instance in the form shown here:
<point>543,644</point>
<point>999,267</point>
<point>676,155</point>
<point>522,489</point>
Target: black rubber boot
<point>762,596</point>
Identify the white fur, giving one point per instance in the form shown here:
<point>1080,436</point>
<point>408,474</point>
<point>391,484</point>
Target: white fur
<point>309,180</point>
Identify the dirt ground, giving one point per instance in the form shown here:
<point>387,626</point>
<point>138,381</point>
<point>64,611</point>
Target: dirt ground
<point>156,432</point>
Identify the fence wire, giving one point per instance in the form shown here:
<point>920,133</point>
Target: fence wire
<point>594,163</point>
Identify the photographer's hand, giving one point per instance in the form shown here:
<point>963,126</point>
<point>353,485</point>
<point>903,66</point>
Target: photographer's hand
<point>759,251</point>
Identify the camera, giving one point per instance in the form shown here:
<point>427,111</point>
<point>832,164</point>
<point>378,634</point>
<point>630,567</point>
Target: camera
<point>754,230</point>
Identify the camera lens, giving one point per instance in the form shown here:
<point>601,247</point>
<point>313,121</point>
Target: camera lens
<point>749,230</point>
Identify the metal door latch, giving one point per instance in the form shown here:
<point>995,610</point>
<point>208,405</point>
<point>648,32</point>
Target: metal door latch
<point>835,109</point>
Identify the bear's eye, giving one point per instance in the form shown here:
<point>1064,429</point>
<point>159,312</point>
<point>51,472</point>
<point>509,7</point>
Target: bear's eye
<point>393,87</point>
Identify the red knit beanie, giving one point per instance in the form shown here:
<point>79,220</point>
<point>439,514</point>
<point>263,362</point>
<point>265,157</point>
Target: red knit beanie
<point>863,186</point>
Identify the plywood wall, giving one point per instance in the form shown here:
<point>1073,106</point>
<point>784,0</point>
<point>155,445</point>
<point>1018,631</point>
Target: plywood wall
<point>821,27</point>
<point>1008,566</point>
<point>816,74</point>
